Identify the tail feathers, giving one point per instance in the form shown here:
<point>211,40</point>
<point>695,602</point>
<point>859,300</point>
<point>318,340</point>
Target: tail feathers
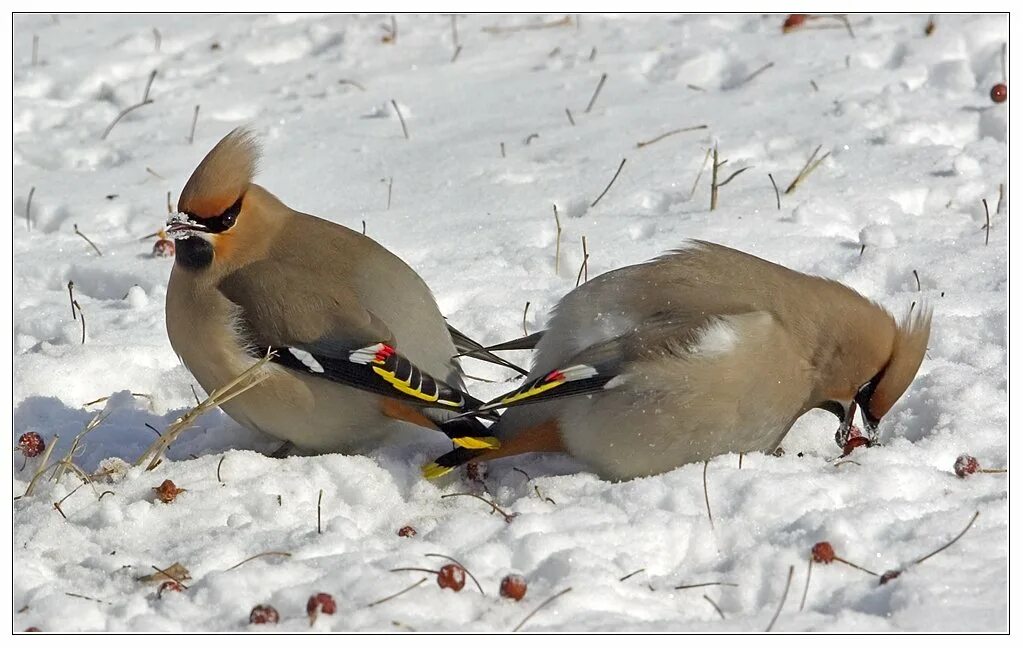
<point>446,463</point>
<point>466,346</point>
<point>469,433</point>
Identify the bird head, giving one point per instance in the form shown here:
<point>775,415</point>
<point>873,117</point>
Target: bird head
<point>875,360</point>
<point>220,208</point>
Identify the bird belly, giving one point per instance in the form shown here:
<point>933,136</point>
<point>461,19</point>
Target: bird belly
<point>313,413</point>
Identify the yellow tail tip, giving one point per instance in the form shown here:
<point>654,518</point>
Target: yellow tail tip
<point>477,443</point>
<point>433,470</point>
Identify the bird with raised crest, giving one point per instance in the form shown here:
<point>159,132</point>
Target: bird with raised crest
<point>703,351</point>
<point>356,338</point>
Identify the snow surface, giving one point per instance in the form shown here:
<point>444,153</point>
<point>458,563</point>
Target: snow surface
<point>915,145</point>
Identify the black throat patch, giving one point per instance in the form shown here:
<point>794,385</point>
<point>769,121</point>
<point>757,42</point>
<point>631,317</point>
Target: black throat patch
<point>194,253</point>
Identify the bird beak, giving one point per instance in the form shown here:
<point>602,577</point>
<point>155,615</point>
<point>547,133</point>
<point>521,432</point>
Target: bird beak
<point>180,226</point>
<point>842,435</point>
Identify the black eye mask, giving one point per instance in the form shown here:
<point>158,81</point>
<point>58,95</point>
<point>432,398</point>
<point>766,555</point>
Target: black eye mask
<point>224,221</point>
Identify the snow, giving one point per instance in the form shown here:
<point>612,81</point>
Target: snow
<point>915,145</point>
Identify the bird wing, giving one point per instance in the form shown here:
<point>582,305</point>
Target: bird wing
<point>592,369</point>
<point>324,331</point>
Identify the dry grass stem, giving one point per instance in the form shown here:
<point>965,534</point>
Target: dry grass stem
<point>524,311</point>
<point>508,517</point>
<point>284,554</point>
<point>716,607</point>
<point>570,119</point>
<point>195,120</point>
<point>807,169</point>
<point>699,175</point>
<point>540,607</point>
<point>557,245</point>
<point>78,232</point>
<point>28,208</point>
<point>781,604</point>
<point>777,196</point>
<point>620,166</point>
<point>396,595</point>
<point>401,118</point>
<point>706,495</point>
<point>584,268</point>
<point>669,134</point>
<point>239,385</point>
<point>497,29</point>
<point>596,92</point>
<point>950,542</point>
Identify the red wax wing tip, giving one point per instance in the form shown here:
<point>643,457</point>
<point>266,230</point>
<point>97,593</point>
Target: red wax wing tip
<point>264,614</point>
<point>321,602</point>
<point>31,444</point>
<point>513,586</point>
<point>553,376</point>
<point>966,465</point>
<point>384,352</point>
<point>451,576</point>
<point>823,552</point>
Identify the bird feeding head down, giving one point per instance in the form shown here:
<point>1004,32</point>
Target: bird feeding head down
<point>874,386</point>
<point>215,200</point>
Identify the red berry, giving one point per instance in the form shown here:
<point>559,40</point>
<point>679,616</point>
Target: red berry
<point>513,586</point>
<point>320,603</point>
<point>32,629</point>
<point>163,248</point>
<point>476,470</point>
<point>451,576</point>
<point>167,586</point>
<point>891,574</point>
<point>999,93</point>
<point>793,21</point>
<point>167,491</point>
<point>853,443</point>
<point>966,465</point>
<point>31,444</point>
<point>407,532</point>
<point>823,552</point>
<point>264,614</point>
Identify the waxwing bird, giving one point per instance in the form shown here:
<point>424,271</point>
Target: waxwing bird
<point>703,351</point>
<point>357,338</point>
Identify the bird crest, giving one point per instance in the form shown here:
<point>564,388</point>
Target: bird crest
<point>222,176</point>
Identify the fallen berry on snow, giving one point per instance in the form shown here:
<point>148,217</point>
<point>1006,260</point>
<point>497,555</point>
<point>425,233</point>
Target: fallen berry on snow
<point>320,603</point>
<point>31,444</point>
<point>891,574</point>
<point>32,629</point>
<point>476,471</point>
<point>451,576</point>
<point>966,465</point>
<point>264,614</point>
<point>167,491</point>
<point>999,93</point>
<point>513,586</point>
<point>853,443</point>
<point>407,532</point>
<point>166,586</point>
<point>793,21</point>
<point>163,248</point>
<point>823,552</point>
